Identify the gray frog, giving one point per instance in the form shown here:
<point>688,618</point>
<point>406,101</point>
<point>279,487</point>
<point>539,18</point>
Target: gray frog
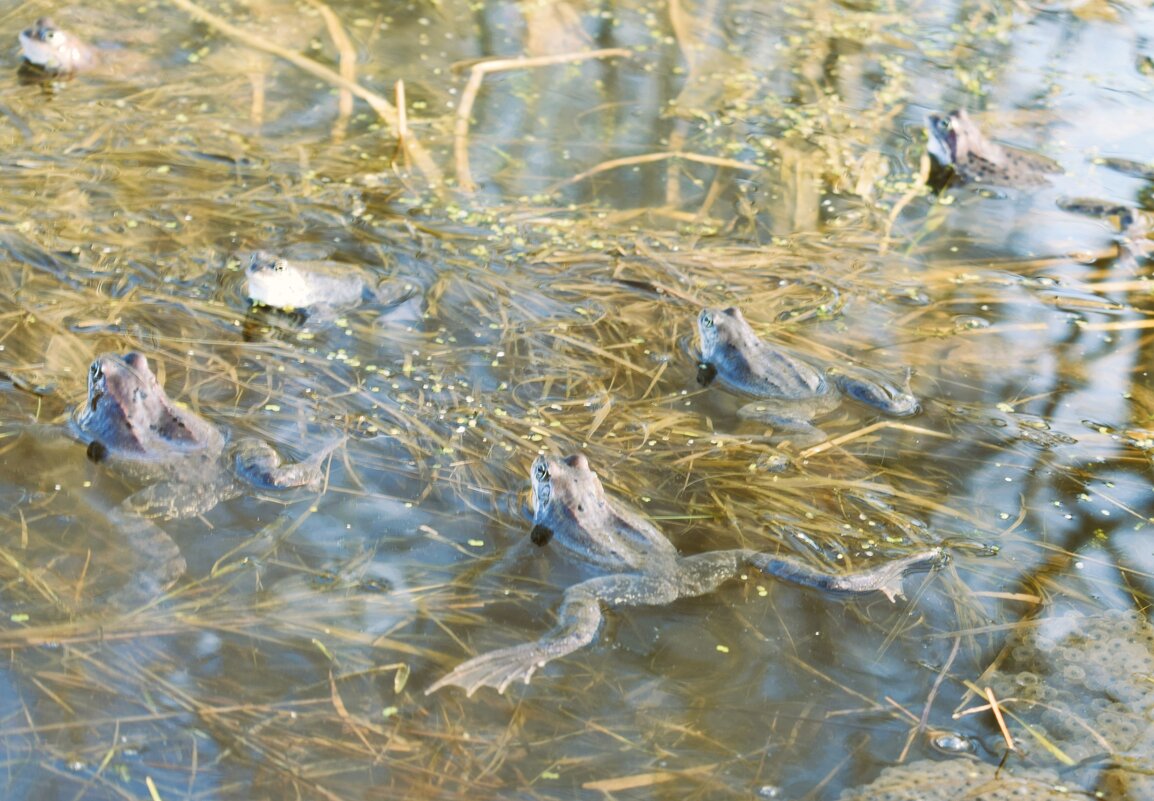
<point>956,141</point>
<point>52,50</point>
<point>317,289</point>
<point>791,391</point>
<point>131,425</point>
<point>641,567</point>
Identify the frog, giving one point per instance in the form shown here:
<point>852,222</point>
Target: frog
<point>637,566</point>
<point>1135,169</point>
<point>1131,226</point>
<point>791,390</point>
<point>1123,215</point>
<point>52,50</point>
<point>184,462</point>
<point>316,289</point>
<point>956,141</point>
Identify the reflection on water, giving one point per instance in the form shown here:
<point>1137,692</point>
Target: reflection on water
<point>764,157</point>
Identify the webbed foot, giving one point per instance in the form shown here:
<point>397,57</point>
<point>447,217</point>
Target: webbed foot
<point>887,578</point>
<point>496,669</point>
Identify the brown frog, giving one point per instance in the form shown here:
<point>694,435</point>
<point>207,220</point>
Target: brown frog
<point>641,567</point>
<point>791,391</point>
<point>955,141</point>
<point>130,424</point>
<point>52,50</point>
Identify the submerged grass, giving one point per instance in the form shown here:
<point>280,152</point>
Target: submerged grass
<point>291,660</point>
<point>559,355</point>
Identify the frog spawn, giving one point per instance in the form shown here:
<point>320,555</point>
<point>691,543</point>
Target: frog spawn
<point>933,780</point>
<point>1086,684</point>
<point>1072,672</point>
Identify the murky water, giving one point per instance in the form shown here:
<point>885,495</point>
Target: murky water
<point>713,154</point>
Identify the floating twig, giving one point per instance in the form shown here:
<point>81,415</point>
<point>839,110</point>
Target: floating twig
<point>347,65</point>
<point>469,96</point>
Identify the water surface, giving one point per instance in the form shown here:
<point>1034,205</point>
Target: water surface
<point>585,211</point>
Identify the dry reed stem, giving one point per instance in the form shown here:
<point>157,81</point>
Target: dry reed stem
<point>379,104</point>
<point>402,124</point>
<point>473,87</point>
<point>348,69</point>
<point>649,158</point>
<point>651,779</point>
<point>256,112</point>
<point>914,191</point>
<point>923,721</point>
<point>861,432</point>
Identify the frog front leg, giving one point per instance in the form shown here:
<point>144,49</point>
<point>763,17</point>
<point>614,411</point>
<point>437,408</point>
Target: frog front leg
<point>577,624</point>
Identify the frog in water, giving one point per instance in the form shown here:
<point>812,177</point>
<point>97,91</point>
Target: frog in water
<point>955,141</point>
<point>791,392</point>
<point>1135,169</point>
<point>52,50</point>
<point>641,567</point>
<point>316,288</point>
<point>130,424</point>
<point>1131,225</point>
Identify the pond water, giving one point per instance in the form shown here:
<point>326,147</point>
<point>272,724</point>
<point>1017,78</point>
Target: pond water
<point>563,219</point>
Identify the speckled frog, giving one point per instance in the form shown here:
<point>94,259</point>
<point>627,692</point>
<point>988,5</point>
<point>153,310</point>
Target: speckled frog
<point>639,566</point>
<point>131,425</point>
<point>790,390</point>
<point>53,50</point>
<point>955,141</point>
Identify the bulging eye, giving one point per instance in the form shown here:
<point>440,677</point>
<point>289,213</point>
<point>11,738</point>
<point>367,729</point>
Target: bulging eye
<point>51,36</point>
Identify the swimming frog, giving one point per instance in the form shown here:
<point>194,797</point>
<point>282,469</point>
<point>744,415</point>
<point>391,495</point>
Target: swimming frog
<point>131,425</point>
<point>955,141</point>
<point>639,566</point>
<point>1131,224</point>
<point>790,390</point>
<point>53,50</point>
<point>1135,169</point>
<point>316,288</point>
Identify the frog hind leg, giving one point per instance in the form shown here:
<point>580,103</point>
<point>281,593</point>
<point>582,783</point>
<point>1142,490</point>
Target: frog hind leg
<point>885,578</point>
<point>258,463</point>
<point>880,394</point>
<point>157,561</point>
<point>577,623</point>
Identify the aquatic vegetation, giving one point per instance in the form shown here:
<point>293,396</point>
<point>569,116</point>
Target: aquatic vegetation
<point>562,230</point>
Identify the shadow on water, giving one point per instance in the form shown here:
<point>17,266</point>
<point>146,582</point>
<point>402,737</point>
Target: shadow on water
<point>575,183</point>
